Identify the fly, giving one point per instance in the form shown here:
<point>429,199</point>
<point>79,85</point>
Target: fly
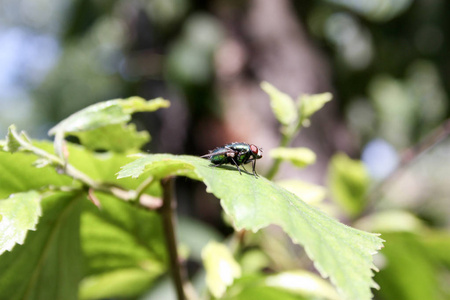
<point>237,154</point>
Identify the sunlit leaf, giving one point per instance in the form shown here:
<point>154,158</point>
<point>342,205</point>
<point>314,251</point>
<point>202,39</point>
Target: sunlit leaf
<point>115,137</point>
<point>349,181</point>
<point>107,113</point>
<point>303,283</point>
<point>48,264</point>
<point>299,157</point>
<point>253,261</point>
<point>293,285</point>
<point>17,173</point>
<point>339,251</point>
<point>121,283</point>
<point>18,214</point>
<point>391,220</point>
<point>221,268</point>
<point>254,287</point>
<point>282,104</point>
<point>308,192</point>
<point>309,104</point>
<point>11,144</point>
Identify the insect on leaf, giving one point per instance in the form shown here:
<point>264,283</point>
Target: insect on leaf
<point>340,252</point>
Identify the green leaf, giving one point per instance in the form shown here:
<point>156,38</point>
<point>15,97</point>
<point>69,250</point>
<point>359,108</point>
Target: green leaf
<point>17,173</point>
<point>293,285</point>
<point>12,144</point>
<point>195,235</point>
<point>391,221</point>
<point>409,272</point>
<point>18,214</point>
<point>339,251</point>
<point>103,167</point>
<point>120,241</point>
<point>309,104</point>
<point>123,283</point>
<point>308,192</point>
<point>115,137</point>
<point>349,182</point>
<point>107,113</point>
<point>48,264</point>
<point>303,283</point>
<point>282,104</point>
<point>437,244</point>
<point>299,157</point>
<point>254,287</point>
<point>221,268</point>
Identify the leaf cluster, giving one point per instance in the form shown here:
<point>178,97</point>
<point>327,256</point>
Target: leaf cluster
<point>80,224</point>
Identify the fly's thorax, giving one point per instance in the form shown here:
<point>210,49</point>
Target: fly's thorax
<point>240,147</point>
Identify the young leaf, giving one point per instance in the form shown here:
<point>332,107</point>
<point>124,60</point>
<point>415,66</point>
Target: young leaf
<point>115,137</point>
<point>103,114</point>
<point>107,113</point>
<point>282,104</point>
<point>18,214</point>
<point>309,104</point>
<point>221,268</point>
<point>338,251</point>
<point>349,182</point>
<point>48,264</point>
<point>12,144</point>
<point>299,157</point>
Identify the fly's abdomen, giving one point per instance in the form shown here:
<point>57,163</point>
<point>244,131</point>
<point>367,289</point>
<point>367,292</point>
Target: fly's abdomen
<point>218,159</point>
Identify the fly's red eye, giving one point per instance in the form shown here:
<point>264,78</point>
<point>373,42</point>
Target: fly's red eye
<point>254,149</point>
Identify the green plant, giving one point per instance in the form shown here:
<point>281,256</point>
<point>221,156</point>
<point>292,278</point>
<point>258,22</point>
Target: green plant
<point>124,238</point>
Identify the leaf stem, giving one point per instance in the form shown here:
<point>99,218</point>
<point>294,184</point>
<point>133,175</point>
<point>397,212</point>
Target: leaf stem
<point>63,166</point>
<point>142,187</point>
<point>178,273</point>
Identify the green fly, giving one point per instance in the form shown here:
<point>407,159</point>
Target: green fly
<point>237,154</point>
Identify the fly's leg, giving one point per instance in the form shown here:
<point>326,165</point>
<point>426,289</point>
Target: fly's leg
<point>232,159</point>
<point>254,171</point>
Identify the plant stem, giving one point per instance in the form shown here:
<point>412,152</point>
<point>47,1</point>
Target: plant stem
<point>285,141</point>
<point>66,168</point>
<point>167,211</point>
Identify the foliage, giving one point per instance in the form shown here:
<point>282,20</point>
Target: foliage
<point>122,242</point>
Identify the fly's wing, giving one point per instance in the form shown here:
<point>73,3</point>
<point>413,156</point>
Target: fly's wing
<point>221,152</point>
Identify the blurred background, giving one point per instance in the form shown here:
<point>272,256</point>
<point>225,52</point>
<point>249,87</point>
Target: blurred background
<point>386,63</point>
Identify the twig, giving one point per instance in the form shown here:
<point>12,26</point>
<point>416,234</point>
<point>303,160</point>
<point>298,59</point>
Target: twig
<point>167,211</point>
